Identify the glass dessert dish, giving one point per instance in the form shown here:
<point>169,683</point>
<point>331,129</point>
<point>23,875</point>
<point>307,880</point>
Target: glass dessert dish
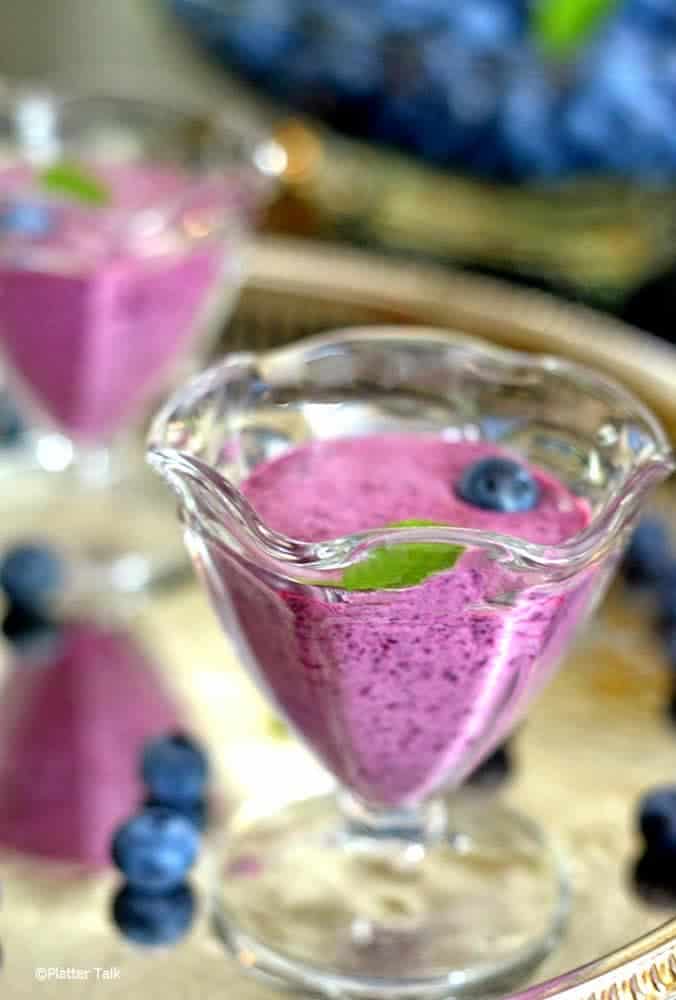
<point>123,227</point>
<point>401,654</point>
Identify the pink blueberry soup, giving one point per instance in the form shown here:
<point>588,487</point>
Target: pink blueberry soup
<point>97,301</point>
<point>400,690</point>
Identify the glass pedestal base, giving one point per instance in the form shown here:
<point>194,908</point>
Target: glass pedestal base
<point>307,900</point>
<point>110,516</point>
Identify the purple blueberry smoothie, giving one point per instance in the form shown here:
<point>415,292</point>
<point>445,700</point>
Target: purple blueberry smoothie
<point>72,728</point>
<point>400,691</point>
<point>97,304</point>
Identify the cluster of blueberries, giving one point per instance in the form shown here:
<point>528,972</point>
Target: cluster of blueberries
<point>30,576</point>
<point>465,85</point>
<point>156,848</point>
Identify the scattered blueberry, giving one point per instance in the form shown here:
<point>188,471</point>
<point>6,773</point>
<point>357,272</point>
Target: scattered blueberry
<point>155,849</point>
<point>499,484</point>
<point>29,632</point>
<point>196,812</point>
<point>30,574</point>
<point>32,219</point>
<point>669,639</point>
<point>654,878</point>
<point>11,424</point>
<point>648,557</point>
<point>666,596</point>
<point>153,919</point>
<point>175,770</point>
<point>493,771</point>
<point>657,818</point>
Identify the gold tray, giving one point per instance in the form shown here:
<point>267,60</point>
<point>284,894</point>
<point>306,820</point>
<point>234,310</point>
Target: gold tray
<point>594,742</point>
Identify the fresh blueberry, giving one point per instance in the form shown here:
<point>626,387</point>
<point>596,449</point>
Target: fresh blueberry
<point>152,919</point>
<point>648,556</point>
<point>155,849</point>
<point>657,17</point>
<point>666,595</point>
<point>654,879</point>
<point>494,770</point>
<point>669,640</point>
<point>412,16</point>
<point>196,812</point>
<point>485,26</point>
<point>11,424</point>
<point>416,122</point>
<point>472,84</point>
<point>30,574</point>
<point>528,127</point>
<point>499,484</point>
<point>262,38</point>
<point>657,819</point>
<point>175,769</point>
<point>617,121</point>
<point>28,632</point>
<point>32,219</point>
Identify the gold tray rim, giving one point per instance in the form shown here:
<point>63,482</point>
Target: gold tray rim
<point>429,294</point>
<point>515,317</point>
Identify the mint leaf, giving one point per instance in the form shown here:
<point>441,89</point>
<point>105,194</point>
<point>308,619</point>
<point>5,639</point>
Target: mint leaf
<point>560,26</point>
<point>72,180</point>
<point>277,729</point>
<point>404,565</point>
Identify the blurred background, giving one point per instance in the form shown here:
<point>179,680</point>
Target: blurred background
<point>533,140</point>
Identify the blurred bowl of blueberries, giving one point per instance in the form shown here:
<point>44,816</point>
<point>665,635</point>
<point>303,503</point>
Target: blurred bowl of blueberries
<point>533,136</point>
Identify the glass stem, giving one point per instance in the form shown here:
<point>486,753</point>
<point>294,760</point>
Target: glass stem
<point>424,823</point>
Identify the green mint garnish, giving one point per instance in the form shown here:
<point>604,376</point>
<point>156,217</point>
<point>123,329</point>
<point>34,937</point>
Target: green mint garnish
<point>387,568</point>
<point>75,182</point>
<point>277,730</point>
<point>560,26</point>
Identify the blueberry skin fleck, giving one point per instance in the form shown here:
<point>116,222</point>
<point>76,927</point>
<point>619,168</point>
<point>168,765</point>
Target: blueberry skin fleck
<point>648,557</point>
<point>175,769</point>
<point>155,849</point>
<point>499,484</point>
<point>30,574</point>
<point>29,632</point>
<point>152,919</point>
<point>657,819</point>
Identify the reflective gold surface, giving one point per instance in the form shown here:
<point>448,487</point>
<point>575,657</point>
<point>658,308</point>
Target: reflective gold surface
<point>595,741</point>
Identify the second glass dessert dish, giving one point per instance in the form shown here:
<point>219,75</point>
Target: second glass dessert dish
<point>123,226</point>
<point>403,531</point>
